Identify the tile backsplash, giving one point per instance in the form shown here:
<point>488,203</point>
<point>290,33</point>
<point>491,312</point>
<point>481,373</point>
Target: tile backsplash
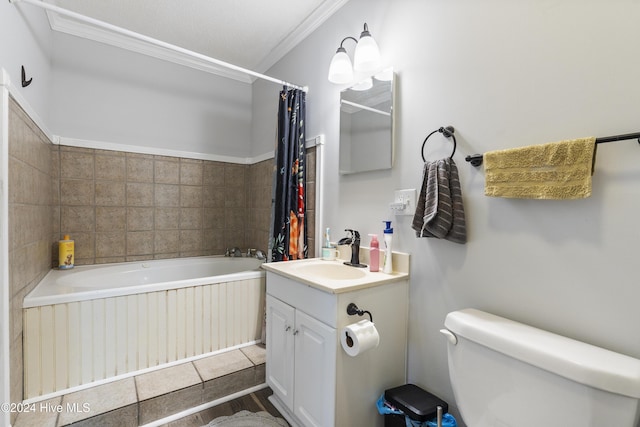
<point>121,206</point>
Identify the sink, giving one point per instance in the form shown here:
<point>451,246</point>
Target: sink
<point>330,271</point>
<point>334,276</point>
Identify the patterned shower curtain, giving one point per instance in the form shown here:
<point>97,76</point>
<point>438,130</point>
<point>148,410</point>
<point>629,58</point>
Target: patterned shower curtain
<point>289,227</point>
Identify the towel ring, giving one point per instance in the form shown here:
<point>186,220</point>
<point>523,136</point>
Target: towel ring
<point>446,131</point>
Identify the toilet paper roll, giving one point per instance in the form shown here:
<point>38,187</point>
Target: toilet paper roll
<point>359,337</point>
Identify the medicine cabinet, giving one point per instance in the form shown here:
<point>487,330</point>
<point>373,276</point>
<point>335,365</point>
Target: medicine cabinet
<point>366,124</point>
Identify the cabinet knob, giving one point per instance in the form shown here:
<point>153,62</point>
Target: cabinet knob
<point>295,332</point>
<point>287,328</point>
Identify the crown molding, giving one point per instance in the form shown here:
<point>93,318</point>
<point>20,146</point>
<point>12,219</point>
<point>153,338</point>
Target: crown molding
<point>83,30</point>
<point>306,27</point>
<point>79,29</point>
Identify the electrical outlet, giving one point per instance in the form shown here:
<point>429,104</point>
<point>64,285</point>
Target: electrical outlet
<point>404,202</point>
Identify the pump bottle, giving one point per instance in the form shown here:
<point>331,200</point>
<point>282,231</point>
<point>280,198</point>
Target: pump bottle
<point>374,253</point>
<point>388,237</point>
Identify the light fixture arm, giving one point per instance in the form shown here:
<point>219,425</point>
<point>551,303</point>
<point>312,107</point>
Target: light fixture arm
<point>344,40</point>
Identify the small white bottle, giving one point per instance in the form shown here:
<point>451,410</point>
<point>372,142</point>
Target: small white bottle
<point>388,237</point>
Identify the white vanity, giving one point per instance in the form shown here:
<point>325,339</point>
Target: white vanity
<point>315,383</point>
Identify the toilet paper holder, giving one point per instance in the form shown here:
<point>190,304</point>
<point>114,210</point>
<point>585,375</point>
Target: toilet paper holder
<point>353,309</point>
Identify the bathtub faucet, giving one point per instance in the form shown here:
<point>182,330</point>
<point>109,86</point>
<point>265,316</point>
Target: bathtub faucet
<point>233,252</point>
<point>256,253</point>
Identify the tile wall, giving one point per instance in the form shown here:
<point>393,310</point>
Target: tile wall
<point>30,225</point>
<point>121,206</point>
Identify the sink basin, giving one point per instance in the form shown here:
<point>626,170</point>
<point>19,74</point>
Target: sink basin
<point>331,271</point>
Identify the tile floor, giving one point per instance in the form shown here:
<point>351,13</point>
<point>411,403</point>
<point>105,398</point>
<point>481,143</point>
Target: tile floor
<point>155,395</point>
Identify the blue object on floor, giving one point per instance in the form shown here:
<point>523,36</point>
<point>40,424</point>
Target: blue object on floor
<point>385,408</point>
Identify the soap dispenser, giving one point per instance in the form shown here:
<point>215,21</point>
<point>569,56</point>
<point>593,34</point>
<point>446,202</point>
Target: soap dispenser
<point>388,237</point>
<point>374,253</point>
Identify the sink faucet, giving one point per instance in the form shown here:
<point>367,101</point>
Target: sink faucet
<point>353,240</point>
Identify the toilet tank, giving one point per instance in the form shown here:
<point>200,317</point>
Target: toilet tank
<point>507,374</point>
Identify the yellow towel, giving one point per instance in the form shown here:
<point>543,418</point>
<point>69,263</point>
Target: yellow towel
<point>556,170</point>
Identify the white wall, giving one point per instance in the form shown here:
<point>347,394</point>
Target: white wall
<point>104,93</point>
<point>25,39</point>
<point>504,74</point>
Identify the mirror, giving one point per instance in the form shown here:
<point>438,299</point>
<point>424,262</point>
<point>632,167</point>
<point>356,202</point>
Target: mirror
<point>366,125</point>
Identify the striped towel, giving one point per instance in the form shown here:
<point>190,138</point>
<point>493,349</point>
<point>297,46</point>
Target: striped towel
<point>440,212</point>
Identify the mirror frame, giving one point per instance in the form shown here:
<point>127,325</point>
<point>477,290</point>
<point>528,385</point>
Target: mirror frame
<point>371,105</point>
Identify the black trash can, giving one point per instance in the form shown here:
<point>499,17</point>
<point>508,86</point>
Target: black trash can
<point>418,404</point>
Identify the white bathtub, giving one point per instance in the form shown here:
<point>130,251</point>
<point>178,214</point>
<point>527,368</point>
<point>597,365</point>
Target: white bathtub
<point>93,323</point>
<point>109,280</point>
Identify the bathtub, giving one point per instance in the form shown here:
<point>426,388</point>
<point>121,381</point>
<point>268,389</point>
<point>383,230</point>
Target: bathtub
<point>97,322</point>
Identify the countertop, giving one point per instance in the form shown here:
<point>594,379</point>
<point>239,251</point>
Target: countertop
<point>335,277</point>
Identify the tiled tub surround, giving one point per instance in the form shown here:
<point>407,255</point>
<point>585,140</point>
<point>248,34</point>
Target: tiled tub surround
<point>121,206</point>
<point>152,396</point>
<point>76,342</point>
<point>31,229</point>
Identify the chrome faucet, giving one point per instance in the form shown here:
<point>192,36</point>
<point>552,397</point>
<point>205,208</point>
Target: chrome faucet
<point>233,252</point>
<point>353,240</point>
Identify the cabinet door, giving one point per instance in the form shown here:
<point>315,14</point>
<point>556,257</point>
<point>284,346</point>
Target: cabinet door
<point>315,371</point>
<point>280,350</point>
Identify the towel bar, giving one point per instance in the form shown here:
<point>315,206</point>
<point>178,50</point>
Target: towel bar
<point>476,159</point>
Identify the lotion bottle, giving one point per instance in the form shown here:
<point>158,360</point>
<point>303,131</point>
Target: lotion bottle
<point>65,253</point>
<point>374,253</point>
<point>388,237</point>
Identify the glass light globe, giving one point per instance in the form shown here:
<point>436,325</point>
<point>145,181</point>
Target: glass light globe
<point>367,56</point>
<point>340,70</point>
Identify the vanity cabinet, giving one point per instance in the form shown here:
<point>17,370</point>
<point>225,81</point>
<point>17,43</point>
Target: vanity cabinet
<point>314,382</point>
<point>302,351</point>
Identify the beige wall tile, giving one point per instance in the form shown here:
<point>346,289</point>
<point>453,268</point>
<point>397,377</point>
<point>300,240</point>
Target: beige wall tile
<point>167,241</point>
<point>190,240</point>
<point>139,169</point>
<point>191,218</point>
<point>167,218</point>
<point>77,218</point>
<point>191,172</point>
<point>111,218</point>
<point>167,172</point>
<point>76,165</point>
<point>110,244</point>
<point>190,196</point>
<point>110,193</point>
<point>139,194</point>
<point>140,219</point>
<point>214,174</point>
<point>167,195</point>
<point>76,192</point>
<point>110,167</point>
<point>140,242</point>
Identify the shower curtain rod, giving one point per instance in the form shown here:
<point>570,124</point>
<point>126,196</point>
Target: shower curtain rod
<point>169,46</point>
<point>476,159</point>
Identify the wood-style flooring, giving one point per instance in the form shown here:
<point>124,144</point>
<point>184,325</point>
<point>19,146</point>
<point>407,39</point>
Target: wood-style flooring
<point>254,402</point>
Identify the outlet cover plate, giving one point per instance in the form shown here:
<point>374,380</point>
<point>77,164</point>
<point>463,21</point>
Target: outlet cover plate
<point>404,202</point>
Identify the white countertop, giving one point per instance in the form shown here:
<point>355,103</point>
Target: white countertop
<point>335,277</point>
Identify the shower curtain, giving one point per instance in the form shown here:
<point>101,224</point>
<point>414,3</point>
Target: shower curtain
<point>289,226</point>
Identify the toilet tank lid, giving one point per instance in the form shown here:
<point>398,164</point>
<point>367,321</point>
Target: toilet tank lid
<point>578,361</point>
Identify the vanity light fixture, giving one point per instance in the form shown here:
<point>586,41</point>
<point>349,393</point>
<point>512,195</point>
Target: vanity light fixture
<point>366,59</point>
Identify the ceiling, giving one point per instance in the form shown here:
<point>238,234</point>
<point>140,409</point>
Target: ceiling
<point>253,34</point>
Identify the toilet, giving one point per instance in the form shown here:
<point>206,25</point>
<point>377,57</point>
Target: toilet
<point>507,374</point>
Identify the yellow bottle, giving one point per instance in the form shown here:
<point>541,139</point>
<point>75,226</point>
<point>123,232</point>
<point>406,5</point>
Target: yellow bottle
<point>65,253</point>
